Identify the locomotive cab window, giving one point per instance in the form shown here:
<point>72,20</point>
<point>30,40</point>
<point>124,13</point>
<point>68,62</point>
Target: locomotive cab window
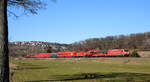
<point>126,50</point>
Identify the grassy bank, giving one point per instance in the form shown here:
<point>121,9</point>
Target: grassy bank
<point>81,71</point>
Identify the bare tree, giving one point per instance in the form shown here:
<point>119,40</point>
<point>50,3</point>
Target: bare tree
<point>4,61</point>
<point>28,6</point>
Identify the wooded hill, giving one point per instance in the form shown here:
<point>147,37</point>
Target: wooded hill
<point>139,41</point>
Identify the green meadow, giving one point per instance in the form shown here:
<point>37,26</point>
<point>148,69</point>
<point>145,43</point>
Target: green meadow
<point>80,70</point>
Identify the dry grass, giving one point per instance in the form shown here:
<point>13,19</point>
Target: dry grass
<point>102,60</point>
<point>145,54</point>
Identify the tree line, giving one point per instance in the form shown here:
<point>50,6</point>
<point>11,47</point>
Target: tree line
<point>140,41</point>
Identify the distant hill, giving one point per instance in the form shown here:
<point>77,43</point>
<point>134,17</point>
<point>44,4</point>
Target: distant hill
<point>32,47</point>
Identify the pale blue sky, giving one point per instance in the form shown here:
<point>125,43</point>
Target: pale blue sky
<point>68,21</point>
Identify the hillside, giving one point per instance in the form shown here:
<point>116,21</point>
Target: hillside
<point>33,47</point>
<point>138,41</point>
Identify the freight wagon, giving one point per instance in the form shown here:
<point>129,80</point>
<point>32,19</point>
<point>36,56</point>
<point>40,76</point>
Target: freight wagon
<point>90,53</point>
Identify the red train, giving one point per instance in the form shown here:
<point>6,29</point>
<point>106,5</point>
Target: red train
<point>90,53</point>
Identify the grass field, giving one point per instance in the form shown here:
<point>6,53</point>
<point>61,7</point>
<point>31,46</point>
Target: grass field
<point>81,70</point>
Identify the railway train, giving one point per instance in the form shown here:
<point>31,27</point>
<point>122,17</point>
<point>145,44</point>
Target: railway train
<point>90,53</point>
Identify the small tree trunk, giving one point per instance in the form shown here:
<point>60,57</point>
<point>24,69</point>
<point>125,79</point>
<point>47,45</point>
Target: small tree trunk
<point>4,60</point>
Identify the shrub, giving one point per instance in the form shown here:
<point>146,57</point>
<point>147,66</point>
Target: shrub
<point>134,54</point>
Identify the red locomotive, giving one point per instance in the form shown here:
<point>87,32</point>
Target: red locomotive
<point>118,52</point>
<point>90,53</point>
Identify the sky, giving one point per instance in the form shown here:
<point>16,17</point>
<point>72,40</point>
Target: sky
<point>69,21</point>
